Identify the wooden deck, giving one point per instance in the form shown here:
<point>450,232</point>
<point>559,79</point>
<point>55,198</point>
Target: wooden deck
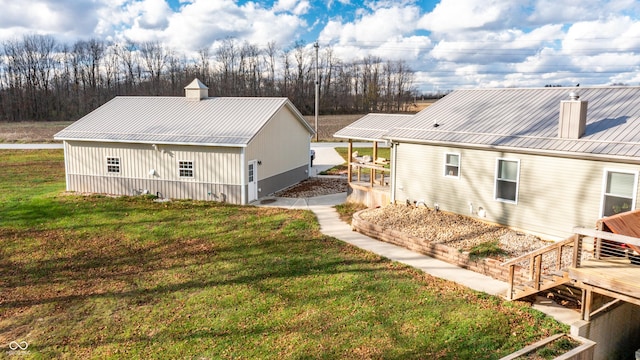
<point>613,277</point>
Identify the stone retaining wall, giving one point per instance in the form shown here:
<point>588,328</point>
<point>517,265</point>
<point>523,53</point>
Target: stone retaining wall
<point>489,267</point>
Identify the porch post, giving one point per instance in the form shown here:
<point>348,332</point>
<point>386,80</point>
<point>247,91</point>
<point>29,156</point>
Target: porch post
<point>349,157</point>
<point>372,178</point>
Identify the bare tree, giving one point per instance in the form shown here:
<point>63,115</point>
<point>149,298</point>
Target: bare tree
<point>40,79</point>
<point>227,55</point>
<point>129,58</point>
<point>271,55</point>
<point>154,56</point>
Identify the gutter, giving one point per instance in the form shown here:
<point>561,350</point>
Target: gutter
<point>150,142</point>
<point>526,151</point>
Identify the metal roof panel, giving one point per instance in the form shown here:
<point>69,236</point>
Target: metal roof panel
<point>218,120</point>
<point>528,119</point>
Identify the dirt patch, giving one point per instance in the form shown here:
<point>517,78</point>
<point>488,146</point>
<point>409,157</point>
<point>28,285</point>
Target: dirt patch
<point>30,132</point>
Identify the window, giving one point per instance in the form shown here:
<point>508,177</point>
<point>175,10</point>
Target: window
<point>619,192</point>
<point>185,168</point>
<point>113,165</point>
<point>251,171</point>
<point>452,165</point>
<point>507,172</point>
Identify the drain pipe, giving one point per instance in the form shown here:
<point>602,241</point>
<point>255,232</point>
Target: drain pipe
<point>243,177</point>
<point>394,157</point>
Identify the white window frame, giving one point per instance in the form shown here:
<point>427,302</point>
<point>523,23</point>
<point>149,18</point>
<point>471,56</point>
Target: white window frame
<point>181,168</point>
<point>496,179</point>
<point>446,155</point>
<point>603,193</point>
<point>111,165</point>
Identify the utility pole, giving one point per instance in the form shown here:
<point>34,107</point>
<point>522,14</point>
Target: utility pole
<point>317,103</point>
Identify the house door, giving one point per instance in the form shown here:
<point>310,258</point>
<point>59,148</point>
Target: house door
<point>253,180</point>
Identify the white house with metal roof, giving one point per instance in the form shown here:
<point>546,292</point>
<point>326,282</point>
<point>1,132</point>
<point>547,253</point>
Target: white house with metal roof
<point>543,160</point>
<point>225,149</point>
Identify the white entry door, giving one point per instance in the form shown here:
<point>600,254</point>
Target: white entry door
<point>253,180</point>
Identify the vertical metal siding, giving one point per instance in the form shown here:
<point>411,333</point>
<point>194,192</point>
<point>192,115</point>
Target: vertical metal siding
<point>216,170</point>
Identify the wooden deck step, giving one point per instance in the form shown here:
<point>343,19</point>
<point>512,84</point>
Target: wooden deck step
<point>546,282</point>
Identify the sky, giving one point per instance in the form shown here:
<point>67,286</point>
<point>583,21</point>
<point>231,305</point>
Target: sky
<point>449,44</point>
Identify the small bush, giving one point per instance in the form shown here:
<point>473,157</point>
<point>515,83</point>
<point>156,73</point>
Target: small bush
<point>347,210</point>
<point>487,249</point>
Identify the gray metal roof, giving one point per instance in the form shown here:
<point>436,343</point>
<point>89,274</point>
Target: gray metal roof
<point>372,127</point>
<point>218,121</point>
<point>528,120</point>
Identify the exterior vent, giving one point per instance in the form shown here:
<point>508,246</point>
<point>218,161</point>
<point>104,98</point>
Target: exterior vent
<point>573,117</point>
<point>196,90</point>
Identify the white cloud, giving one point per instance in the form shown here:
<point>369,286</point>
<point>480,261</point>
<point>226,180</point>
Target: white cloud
<point>466,15</point>
<point>372,28</point>
<point>569,11</point>
<point>331,2</point>
<point>296,7</point>
<point>201,23</point>
<point>56,17</point>
<point>610,35</point>
<point>458,43</point>
<point>153,14</point>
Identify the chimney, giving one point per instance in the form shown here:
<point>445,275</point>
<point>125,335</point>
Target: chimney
<point>573,117</point>
<point>196,90</point>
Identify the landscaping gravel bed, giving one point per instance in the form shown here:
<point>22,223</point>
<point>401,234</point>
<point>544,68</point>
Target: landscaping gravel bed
<point>457,231</point>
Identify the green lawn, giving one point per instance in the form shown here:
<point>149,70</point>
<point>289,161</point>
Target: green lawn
<point>102,277</point>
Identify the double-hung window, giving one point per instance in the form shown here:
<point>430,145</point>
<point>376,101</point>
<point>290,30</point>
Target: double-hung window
<point>185,168</point>
<point>113,165</point>
<point>619,192</point>
<point>507,176</point>
<point>452,165</point>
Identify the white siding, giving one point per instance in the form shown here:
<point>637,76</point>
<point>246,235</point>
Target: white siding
<point>554,194</point>
<point>282,145</point>
<point>217,165</point>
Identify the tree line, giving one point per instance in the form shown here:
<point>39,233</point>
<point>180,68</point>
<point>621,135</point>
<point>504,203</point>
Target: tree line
<point>42,79</point>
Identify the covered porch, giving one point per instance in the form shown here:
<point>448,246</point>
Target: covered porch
<point>369,175</point>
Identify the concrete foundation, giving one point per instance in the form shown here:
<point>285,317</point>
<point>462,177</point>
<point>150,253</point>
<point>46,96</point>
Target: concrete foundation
<point>371,197</point>
<point>616,332</point>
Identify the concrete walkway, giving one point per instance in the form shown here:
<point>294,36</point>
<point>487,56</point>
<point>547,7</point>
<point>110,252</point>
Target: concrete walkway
<point>331,225</point>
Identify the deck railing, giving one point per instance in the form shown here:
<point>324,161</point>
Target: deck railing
<point>540,277</point>
<point>377,172</point>
<point>603,244</point>
<point>585,244</point>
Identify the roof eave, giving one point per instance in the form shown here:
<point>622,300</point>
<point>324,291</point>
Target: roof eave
<point>360,138</point>
<point>556,153</point>
<point>150,142</point>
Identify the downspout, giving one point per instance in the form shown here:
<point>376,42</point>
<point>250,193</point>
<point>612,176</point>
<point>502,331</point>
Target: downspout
<point>66,164</point>
<point>243,177</point>
<point>394,158</point>
<point>349,157</point>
